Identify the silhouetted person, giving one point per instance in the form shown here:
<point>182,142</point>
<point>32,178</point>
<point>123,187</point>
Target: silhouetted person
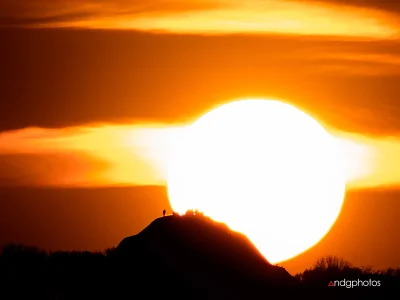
<point>164,212</point>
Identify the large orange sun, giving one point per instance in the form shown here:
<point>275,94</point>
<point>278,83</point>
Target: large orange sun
<point>264,168</point>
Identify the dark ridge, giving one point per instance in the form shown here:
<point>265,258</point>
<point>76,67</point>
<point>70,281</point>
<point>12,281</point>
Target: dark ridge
<point>184,257</point>
<point>204,256</point>
<point>195,240</point>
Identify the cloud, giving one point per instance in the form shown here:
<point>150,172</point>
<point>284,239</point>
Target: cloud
<point>84,156</point>
<point>63,77</point>
<point>203,16</point>
<point>137,155</point>
<point>358,64</point>
<point>46,13</point>
<point>384,5</point>
<point>51,168</point>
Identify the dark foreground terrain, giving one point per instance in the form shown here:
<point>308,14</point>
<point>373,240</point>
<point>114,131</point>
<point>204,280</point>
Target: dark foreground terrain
<point>185,257</point>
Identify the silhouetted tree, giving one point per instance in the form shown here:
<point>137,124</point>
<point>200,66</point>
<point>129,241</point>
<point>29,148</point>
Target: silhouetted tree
<point>331,263</point>
<point>109,252</point>
<point>87,275</point>
<point>330,268</point>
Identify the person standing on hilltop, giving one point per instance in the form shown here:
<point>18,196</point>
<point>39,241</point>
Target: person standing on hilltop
<point>164,212</point>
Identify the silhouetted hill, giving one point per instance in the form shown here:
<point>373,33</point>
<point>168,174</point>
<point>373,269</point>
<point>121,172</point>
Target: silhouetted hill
<point>184,257</point>
<point>208,255</point>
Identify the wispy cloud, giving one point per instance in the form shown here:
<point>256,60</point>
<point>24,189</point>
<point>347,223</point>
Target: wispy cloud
<point>85,155</point>
<point>358,64</point>
<point>73,12</point>
<point>384,5</point>
<point>129,155</point>
<point>370,162</point>
<point>204,16</point>
<point>129,77</point>
<point>51,168</point>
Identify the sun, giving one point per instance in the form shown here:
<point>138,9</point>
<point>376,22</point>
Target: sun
<point>263,167</point>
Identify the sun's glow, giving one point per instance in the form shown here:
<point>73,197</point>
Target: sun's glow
<point>264,168</point>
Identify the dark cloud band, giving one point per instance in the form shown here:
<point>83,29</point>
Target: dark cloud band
<point>61,77</point>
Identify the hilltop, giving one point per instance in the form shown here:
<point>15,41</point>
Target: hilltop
<point>205,255</point>
<point>185,257</point>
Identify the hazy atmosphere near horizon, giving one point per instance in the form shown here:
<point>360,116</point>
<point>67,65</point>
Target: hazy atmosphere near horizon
<point>96,95</point>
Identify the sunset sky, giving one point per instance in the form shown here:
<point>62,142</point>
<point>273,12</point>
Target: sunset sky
<point>94,93</point>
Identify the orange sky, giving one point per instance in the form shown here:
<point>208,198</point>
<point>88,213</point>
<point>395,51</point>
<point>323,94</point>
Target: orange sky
<point>94,93</point>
